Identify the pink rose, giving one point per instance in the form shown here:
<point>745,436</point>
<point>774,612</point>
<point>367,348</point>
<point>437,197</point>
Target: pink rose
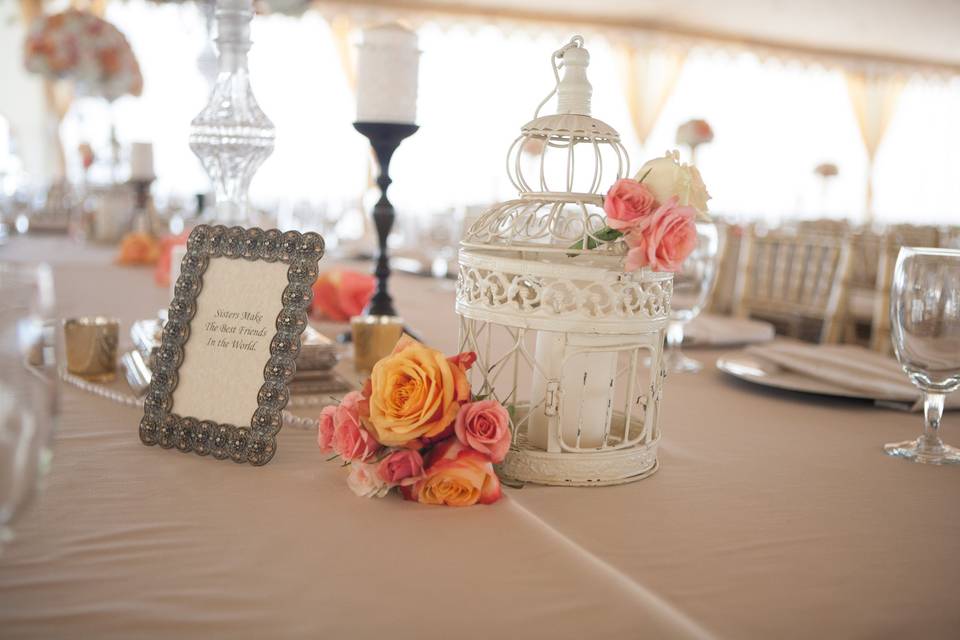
<point>485,427</point>
<point>456,476</point>
<point>403,467</point>
<point>628,204</point>
<point>326,430</point>
<point>665,241</point>
<point>350,440</point>
<point>366,482</point>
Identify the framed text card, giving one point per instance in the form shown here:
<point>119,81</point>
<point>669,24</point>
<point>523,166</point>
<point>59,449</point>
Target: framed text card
<point>230,342</point>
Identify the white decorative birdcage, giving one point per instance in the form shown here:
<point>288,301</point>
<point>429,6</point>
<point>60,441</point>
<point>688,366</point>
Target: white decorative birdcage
<point>566,339</point>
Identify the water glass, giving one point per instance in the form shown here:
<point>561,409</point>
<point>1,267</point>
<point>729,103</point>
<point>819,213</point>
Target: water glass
<point>691,287</point>
<point>925,329</point>
<point>27,387</point>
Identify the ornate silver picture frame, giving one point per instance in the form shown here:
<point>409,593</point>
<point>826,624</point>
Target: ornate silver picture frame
<point>254,443</point>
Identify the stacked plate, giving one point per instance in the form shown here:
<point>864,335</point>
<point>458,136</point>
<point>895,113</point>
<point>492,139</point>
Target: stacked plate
<point>316,362</point>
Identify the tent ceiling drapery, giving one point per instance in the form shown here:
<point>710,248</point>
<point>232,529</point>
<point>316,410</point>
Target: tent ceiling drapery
<point>877,36</point>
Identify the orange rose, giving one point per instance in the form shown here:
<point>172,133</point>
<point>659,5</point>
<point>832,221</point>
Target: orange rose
<point>414,392</point>
<point>456,476</point>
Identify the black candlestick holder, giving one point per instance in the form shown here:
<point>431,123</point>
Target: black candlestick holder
<point>143,208</point>
<point>384,137</point>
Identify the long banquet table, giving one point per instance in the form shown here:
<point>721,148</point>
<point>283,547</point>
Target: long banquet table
<point>773,515</point>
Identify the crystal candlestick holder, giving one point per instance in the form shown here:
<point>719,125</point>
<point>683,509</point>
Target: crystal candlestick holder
<point>232,136</point>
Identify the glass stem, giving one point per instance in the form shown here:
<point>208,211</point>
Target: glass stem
<point>932,413</point>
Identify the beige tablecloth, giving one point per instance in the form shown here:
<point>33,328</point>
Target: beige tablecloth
<point>773,515</point>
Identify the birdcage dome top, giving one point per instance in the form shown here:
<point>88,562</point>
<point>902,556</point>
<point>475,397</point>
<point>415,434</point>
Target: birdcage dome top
<point>561,165</point>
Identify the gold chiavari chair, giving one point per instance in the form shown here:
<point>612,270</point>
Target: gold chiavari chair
<point>914,235</point>
<point>873,260</point>
<point>793,280</point>
<point>865,256</point>
<point>836,227</point>
<point>899,236</point>
<point>950,237</point>
<point>880,325</point>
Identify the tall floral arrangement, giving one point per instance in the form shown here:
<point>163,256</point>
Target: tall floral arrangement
<point>826,170</point>
<point>416,429</point>
<point>79,46</point>
<point>694,132</point>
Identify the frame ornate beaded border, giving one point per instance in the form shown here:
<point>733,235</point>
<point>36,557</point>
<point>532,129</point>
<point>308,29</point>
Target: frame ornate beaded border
<point>257,443</point>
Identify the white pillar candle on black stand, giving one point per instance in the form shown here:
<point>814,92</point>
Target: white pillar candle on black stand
<point>387,66</point>
<point>141,161</point>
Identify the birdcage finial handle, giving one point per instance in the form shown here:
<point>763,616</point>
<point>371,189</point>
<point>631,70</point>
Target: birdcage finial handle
<point>580,105</point>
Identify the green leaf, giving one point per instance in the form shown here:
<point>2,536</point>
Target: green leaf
<point>606,234</point>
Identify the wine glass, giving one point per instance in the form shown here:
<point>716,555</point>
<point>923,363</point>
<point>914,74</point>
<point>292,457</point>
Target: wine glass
<point>691,286</point>
<point>925,328</point>
<point>27,389</point>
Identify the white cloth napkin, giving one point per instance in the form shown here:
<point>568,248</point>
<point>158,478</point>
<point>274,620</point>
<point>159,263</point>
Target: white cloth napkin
<point>712,330</point>
<point>847,366</point>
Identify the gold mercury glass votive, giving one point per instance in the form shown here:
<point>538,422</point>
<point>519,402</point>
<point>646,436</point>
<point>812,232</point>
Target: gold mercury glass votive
<point>374,338</point>
<point>91,347</point>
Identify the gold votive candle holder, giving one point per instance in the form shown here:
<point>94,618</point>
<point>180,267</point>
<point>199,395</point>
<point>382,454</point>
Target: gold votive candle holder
<point>91,347</point>
<point>373,338</point>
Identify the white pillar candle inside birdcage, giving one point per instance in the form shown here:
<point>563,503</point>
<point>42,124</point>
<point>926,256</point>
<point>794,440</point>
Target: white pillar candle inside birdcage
<point>565,338</point>
<point>587,382</point>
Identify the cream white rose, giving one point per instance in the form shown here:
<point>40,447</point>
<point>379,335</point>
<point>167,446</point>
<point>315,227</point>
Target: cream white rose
<point>666,177</point>
<point>365,482</point>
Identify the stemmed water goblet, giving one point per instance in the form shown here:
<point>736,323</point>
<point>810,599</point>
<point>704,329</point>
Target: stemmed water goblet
<point>925,329</point>
<point>27,389</point>
<point>691,287</point>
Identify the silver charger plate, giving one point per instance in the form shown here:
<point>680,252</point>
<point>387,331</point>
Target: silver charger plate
<point>763,372</point>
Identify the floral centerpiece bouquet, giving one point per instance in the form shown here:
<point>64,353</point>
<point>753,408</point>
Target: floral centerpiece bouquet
<point>694,133</point>
<point>655,214</point>
<point>826,170</point>
<point>87,49</point>
<point>416,428</point>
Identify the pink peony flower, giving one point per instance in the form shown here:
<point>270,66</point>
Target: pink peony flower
<point>456,476</point>
<point>350,440</point>
<point>366,482</point>
<point>326,430</point>
<point>665,241</point>
<point>340,294</point>
<point>403,467</point>
<point>485,427</point>
<point>628,204</point>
